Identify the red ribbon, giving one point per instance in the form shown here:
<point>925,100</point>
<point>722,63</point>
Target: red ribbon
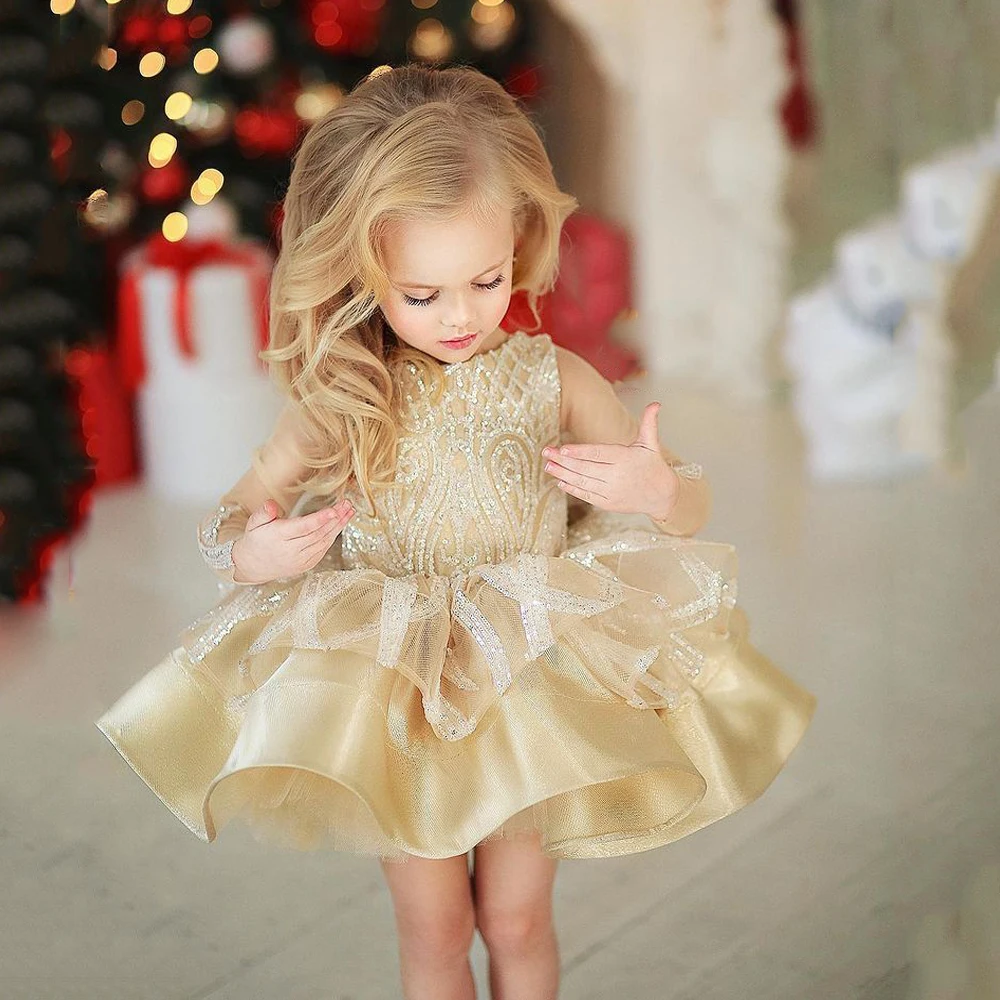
<point>182,258</point>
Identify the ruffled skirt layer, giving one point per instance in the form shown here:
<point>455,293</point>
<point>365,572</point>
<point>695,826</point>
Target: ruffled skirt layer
<point>608,699</point>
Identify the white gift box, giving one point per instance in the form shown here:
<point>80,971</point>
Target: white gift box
<point>198,432</point>
<point>878,273</point>
<point>853,383</point>
<point>201,416</point>
<point>825,345</point>
<point>944,200</point>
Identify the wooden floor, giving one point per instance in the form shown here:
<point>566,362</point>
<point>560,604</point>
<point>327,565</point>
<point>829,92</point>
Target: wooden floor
<point>883,599</point>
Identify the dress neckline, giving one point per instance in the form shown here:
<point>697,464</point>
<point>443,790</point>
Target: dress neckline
<point>454,365</point>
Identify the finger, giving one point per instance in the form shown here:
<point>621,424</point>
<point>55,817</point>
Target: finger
<point>595,483</point>
<point>322,543</point>
<point>591,452</point>
<point>648,435</point>
<point>578,491</point>
<point>583,465</point>
<point>586,484</point>
<point>322,536</point>
<point>334,525</point>
<point>264,514</point>
<point>307,524</point>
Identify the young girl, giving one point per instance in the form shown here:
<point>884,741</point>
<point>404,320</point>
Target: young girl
<point>419,653</point>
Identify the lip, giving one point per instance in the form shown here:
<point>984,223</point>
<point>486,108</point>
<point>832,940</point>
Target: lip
<point>458,345</point>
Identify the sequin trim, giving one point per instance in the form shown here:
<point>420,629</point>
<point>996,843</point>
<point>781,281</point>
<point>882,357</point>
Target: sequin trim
<point>689,470</point>
<point>398,598</point>
<point>210,630</point>
<point>219,556</point>
<point>472,619</point>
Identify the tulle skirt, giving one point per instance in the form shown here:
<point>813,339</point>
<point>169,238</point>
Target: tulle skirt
<point>607,698</point>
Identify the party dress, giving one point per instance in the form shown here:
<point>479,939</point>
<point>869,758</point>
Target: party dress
<point>467,661</point>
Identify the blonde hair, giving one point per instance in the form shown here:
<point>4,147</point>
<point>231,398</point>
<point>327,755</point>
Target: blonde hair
<point>413,143</point>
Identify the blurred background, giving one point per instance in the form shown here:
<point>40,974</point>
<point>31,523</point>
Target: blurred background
<point>789,234</point>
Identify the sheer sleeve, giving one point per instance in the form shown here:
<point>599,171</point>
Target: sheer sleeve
<point>592,413</point>
<point>275,469</point>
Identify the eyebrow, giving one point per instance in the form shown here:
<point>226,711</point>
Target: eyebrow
<point>414,284</point>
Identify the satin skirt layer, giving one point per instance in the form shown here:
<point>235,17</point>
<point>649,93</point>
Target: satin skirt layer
<point>608,698</point>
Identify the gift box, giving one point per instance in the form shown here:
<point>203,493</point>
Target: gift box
<point>944,200</point>
<point>853,384</point>
<point>878,273</point>
<point>192,321</point>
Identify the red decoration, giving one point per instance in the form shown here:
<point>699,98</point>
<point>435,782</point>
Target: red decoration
<point>181,257</point>
<point>160,185</point>
<point>154,31</point>
<point>798,109</point>
<point>593,289</point>
<point>523,81</point>
<point>105,415</point>
<point>266,131</point>
<point>344,27</point>
<point>60,152</point>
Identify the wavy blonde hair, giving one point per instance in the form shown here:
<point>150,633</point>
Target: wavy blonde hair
<point>411,143</point>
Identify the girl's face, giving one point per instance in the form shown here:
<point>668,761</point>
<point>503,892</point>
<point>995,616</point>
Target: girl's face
<point>449,280</point>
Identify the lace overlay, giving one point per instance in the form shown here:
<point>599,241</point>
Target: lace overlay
<point>470,469</point>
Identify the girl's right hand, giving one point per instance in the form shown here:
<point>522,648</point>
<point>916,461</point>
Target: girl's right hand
<point>273,546</point>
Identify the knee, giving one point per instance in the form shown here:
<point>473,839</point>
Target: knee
<point>514,930</point>
<point>441,936</point>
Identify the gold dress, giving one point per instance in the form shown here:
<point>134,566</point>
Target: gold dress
<point>466,663</point>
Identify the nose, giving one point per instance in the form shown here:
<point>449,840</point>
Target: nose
<point>459,316</point>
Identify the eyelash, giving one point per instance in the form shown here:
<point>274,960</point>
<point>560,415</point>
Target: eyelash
<point>495,283</point>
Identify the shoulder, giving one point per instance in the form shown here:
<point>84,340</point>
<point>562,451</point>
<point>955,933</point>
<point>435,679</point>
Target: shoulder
<point>574,370</point>
<point>579,381</point>
<point>591,409</point>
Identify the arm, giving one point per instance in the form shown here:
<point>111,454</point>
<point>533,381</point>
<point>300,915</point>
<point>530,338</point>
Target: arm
<point>276,465</point>
<point>591,412</point>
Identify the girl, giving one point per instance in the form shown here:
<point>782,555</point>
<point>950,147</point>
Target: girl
<point>419,653</point>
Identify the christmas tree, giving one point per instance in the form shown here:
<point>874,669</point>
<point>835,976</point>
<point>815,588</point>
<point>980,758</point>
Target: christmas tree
<point>210,97</point>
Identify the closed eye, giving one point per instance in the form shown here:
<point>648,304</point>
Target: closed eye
<point>495,283</point>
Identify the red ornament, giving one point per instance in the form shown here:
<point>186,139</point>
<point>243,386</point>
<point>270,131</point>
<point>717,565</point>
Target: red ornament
<point>160,185</point>
<point>138,31</point>
<point>798,108</point>
<point>146,32</point>
<point>266,131</point>
<point>344,27</point>
<point>523,81</point>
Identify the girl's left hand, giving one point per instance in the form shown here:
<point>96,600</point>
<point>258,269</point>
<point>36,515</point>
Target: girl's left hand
<point>625,478</point>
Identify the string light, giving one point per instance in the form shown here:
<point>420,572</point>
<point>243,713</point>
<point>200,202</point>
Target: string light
<point>177,105</point>
<point>205,60</point>
<point>107,57</point>
<point>207,186</point>
<point>132,112</point>
<point>175,226</point>
<point>178,6</point>
<point>151,63</point>
<point>423,4</point>
<point>161,148</point>
<point>61,6</point>
<point>431,40</point>
<point>492,23</point>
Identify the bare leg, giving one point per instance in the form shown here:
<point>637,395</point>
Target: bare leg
<point>512,882</point>
<point>435,920</point>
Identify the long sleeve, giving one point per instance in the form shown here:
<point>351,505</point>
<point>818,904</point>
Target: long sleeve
<point>592,413</point>
<point>275,469</point>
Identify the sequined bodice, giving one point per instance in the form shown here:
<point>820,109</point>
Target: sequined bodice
<point>472,486</point>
